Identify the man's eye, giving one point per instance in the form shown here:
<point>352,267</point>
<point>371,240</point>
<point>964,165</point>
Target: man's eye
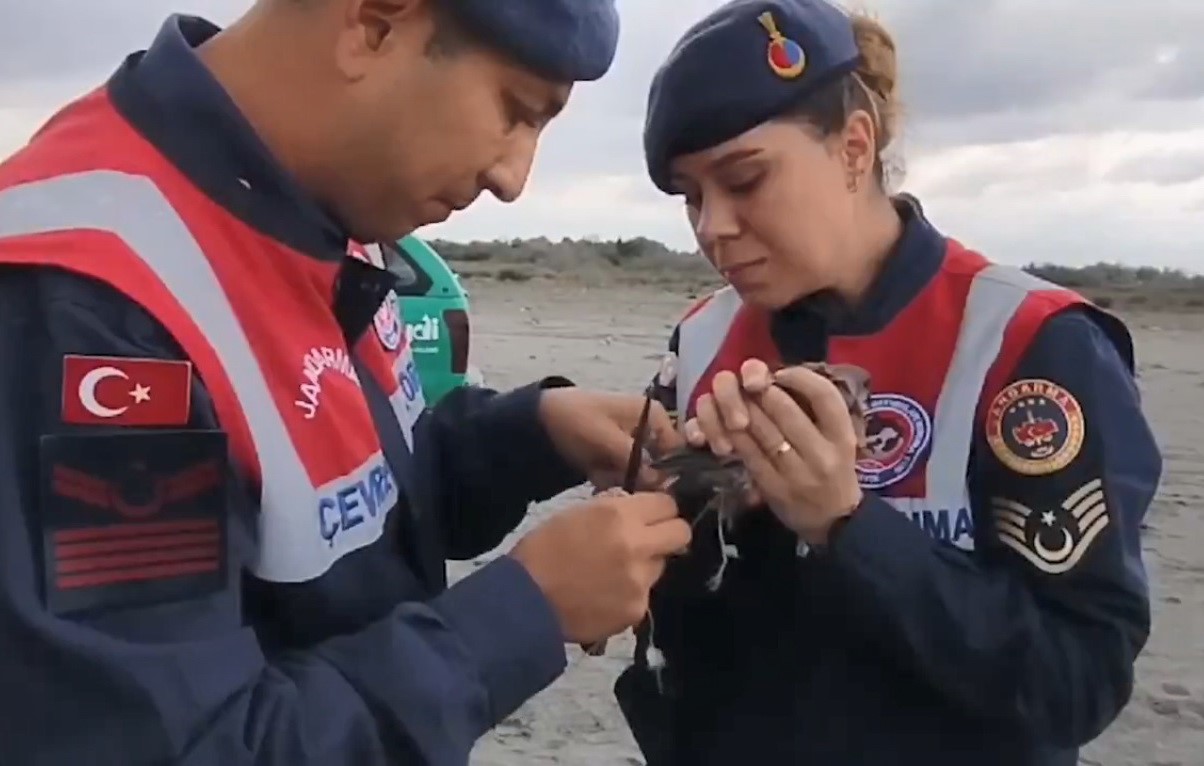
<point>520,114</point>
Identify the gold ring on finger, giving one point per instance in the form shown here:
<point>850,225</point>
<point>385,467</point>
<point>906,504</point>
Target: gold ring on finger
<point>783,448</point>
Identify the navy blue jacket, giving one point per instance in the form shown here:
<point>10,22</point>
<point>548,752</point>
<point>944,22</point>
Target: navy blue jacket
<point>376,662</point>
<point>892,647</point>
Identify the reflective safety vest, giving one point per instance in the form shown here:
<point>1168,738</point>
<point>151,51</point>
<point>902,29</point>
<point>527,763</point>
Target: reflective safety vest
<point>933,369</point>
<point>92,196</point>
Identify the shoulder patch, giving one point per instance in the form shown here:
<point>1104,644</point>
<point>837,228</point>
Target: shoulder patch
<point>1035,427</point>
<point>132,518</point>
<point>1053,540</point>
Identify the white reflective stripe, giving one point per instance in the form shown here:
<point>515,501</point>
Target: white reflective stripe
<point>291,546</point>
<point>995,294</point>
<point>700,336</point>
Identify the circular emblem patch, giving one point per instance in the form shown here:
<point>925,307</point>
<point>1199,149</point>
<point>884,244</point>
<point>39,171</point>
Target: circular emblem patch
<point>898,433</point>
<point>387,321</point>
<point>1035,427</point>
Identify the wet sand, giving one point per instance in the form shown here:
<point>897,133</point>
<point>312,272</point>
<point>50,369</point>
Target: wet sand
<point>613,339</point>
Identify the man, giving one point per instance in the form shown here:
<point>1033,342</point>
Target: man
<point>226,506</point>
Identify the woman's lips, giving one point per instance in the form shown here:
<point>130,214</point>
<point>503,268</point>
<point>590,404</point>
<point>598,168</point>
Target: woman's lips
<point>732,273</point>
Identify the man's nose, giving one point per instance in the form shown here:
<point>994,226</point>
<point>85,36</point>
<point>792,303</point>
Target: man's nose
<point>508,177</point>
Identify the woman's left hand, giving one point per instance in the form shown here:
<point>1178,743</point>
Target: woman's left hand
<point>802,467</point>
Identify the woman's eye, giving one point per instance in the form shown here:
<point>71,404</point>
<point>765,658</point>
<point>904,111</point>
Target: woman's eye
<point>744,186</point>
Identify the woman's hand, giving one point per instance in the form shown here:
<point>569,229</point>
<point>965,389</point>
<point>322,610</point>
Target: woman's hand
<point>803,467</point>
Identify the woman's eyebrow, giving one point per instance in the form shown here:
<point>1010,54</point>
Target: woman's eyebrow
<point>733,157</point>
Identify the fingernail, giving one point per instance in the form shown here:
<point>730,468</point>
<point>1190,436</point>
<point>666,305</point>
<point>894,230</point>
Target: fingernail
<point>756,380</point>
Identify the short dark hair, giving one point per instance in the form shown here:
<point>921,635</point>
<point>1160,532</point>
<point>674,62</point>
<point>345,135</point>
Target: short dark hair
<point>450,37</point>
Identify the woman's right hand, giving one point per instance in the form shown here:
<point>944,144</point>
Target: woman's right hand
<point>709,428</point>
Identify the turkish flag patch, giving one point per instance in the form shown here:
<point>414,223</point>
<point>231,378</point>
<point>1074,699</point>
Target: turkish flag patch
<point>124,391</point>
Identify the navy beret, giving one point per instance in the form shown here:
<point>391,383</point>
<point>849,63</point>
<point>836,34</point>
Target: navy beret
<point>561,40</point>
<point>746,63</point>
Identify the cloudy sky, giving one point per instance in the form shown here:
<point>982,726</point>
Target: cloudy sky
<point>1063,130</point>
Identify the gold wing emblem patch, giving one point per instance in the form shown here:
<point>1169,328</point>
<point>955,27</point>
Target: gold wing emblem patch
<point>1053,541</point>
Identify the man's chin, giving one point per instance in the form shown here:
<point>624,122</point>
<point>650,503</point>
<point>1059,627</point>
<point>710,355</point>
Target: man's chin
<point>435,212</point>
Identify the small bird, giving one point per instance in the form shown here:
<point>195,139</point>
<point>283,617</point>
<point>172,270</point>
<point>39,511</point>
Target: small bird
<point>702,482</point>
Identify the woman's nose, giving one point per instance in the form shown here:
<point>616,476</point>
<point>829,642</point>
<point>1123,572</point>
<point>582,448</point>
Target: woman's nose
<point>715,221</point>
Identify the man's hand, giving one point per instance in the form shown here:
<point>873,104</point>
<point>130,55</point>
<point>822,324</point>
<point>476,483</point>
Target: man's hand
<point>597,562</point>
<point>593,431</point>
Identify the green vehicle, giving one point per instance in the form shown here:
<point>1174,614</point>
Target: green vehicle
<point>434,308</point>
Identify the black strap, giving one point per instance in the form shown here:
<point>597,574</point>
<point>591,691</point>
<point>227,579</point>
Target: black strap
<point>639,438</point>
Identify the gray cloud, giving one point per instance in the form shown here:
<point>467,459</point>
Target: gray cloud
<point>1162,169</point>
<point>973,72</point>
<point>987,70</point>
<point>1179,78</point>
<point>61,38</point>
<point>1000,56</point>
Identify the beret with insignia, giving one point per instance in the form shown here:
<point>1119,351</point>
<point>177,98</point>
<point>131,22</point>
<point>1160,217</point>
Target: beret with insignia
<point>746,63</point>
<point>561,40</point>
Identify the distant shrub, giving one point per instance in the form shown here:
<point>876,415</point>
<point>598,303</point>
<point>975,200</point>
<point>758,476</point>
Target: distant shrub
<point>511,275</point>
<point>640,260</point>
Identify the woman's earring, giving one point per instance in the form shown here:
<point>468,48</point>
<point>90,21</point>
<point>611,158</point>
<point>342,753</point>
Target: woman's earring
<point>852,182</point>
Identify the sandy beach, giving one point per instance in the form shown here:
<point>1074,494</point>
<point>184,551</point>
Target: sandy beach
<point>612,338</point>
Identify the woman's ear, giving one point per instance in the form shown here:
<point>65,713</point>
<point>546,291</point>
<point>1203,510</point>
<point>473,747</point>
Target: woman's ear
<point>860,148</point>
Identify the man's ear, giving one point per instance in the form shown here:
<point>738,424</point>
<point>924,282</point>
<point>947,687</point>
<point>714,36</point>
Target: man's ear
<point>373,29</point>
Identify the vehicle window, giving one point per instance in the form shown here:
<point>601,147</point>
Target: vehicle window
<point>414,281</point>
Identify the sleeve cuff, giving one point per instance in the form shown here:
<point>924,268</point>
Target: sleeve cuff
<point>509,627</point>
<point>540,465</point>
<point>882,549</point>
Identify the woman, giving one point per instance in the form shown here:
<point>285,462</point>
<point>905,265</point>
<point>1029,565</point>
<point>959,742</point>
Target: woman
<point>967,588</point>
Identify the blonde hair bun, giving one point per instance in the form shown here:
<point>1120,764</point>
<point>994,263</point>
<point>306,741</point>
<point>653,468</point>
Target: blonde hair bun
<point>878,68</point>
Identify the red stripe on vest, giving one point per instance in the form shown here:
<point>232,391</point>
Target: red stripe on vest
<point>257,274</point>
<point>909,361</point>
